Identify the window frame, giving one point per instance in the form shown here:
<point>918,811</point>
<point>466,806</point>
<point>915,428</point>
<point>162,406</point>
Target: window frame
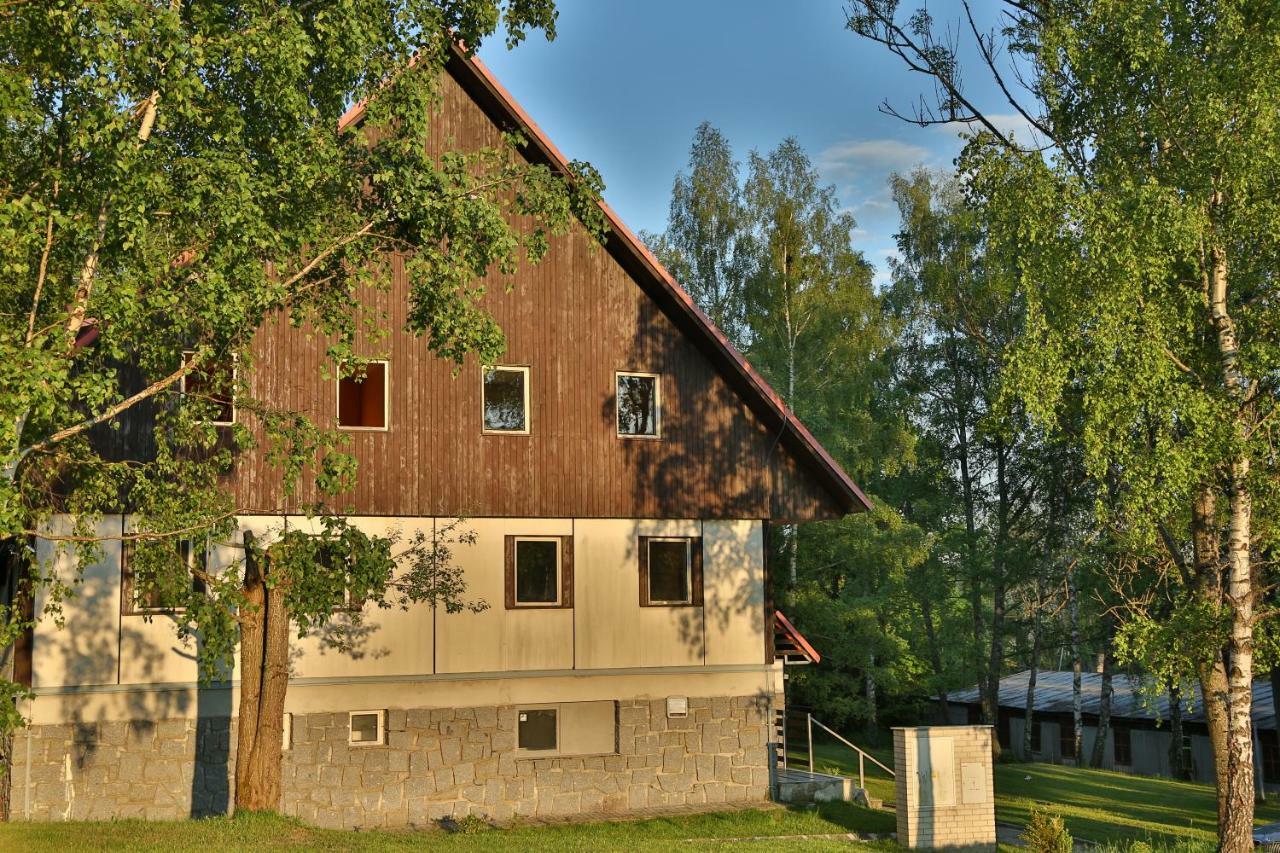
<point>1128,745</point>
<point>381,739</point>
<point>564,572</point>
<point>128,605</point>
<point>1067,741</point>
<point>235,377</point>
<point>657,405</point>
<point>386,398</point>
<point>528,414</point>
<point>693,566</point>
<point>526,751</point>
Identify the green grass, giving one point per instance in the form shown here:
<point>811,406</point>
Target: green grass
<point>272,833</point>
<point>1097,805</point>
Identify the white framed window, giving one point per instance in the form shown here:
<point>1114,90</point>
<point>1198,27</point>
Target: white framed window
<point>368,728</point>
<point>213,384</point>
<point>364,399</point>
<point>505,399</point>
<point>538,729</point>
<point>639,404</point>
<point>286,732</point>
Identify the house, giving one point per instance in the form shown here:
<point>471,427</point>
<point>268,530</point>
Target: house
<point>1138,740</point>
<point>620,470</point>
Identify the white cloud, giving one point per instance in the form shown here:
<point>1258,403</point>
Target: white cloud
<point>855,158</point>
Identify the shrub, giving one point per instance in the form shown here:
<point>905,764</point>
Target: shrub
<point>1047,833</point>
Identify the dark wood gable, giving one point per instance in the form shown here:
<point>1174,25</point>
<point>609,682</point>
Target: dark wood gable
<point>728,448</point>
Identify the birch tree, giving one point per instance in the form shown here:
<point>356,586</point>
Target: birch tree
<point>1145,236</point>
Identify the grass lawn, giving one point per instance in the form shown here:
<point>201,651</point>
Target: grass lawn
<point>270,833</point>
<point>1097,805</point>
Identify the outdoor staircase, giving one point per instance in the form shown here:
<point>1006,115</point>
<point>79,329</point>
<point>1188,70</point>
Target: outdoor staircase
<point>797,779</point>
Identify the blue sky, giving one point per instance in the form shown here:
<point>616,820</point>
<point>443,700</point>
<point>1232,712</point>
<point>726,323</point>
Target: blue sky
<point>625,83</point>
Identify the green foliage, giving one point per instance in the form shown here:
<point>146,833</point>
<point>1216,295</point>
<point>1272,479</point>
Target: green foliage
<point>172,176</point>
<point>1047,833</point>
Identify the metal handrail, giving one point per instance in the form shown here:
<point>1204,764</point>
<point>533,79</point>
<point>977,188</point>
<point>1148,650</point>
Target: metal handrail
<point>862,755</point>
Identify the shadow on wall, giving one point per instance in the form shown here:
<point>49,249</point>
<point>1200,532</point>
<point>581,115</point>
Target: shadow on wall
<point>157,733</point>
<point>714,460</point>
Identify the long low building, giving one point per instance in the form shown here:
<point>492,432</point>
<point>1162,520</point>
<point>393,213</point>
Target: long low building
<point>1139,740</point>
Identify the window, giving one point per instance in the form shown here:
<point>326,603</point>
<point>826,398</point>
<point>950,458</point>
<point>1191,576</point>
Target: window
<point>1036,726</point>
<point>152,596</point>
<point>538,729</point>
<point>286,732</point>
<point>362,398</point>
<point>506,399</point>
<point>368,728</point>
<point>670,571</point>
<point>568,728</point>
<point>1002,729</point>
<point>1121,745</point>
<point>1270,743</point>
<point>539,571</point>
<point>638,405</point>
<point>213,385</point>
<point>1066,740</point>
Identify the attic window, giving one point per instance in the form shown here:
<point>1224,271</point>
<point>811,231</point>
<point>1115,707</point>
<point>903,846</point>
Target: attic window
<point>362,398</point>
<point>212,386</point>
<point>506,400</point>
<point>638,405</point>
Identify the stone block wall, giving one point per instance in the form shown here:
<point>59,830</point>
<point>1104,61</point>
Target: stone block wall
<point>944,787</point>
<point>97,771</point>
<point>436,762</point>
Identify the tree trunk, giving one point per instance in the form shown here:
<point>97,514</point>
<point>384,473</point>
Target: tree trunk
<point>935,656</point>
<point>1177,757</point>
<point>995,661</point>
<point>869,684</point>
<point>1104,705</point>
<point>264,679</point>
<point>1077,665</point>
<point>1031,688</point>
<point>1237,833</point>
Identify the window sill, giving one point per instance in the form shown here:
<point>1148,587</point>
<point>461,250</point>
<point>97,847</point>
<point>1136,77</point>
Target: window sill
<point>363,429</point>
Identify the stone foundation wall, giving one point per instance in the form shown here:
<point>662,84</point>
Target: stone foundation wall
<point>436,762</point>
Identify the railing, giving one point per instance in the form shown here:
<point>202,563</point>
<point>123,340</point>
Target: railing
<point>863,756</point>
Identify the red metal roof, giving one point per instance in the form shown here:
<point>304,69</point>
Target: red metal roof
<point>469,69</point>
<point>782,625</point>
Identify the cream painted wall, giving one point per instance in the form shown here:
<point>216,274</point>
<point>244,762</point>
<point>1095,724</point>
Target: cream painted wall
<point>499,639</point>
<point>606,628</point>
<point>733,577</point>
<point>612,628</point>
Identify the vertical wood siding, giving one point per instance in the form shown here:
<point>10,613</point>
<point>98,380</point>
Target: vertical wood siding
<point>574,319</point>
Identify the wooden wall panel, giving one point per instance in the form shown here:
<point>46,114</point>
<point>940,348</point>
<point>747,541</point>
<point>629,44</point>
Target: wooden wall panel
<point>575,319</point>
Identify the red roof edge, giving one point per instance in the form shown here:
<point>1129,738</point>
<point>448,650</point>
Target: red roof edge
<point>783,624</point>
<point>837,480</point>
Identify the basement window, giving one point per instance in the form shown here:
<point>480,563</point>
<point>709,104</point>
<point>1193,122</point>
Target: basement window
<point>538,729</point>
<point>362,398</point>
<point>506,400</point>
<point>368,728</point>
<point>638,405</point>
<point>539,571</point>
<point>213,387</point>
<point>670,571</point>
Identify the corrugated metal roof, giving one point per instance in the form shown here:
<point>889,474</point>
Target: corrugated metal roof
<point>1132,698</point>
